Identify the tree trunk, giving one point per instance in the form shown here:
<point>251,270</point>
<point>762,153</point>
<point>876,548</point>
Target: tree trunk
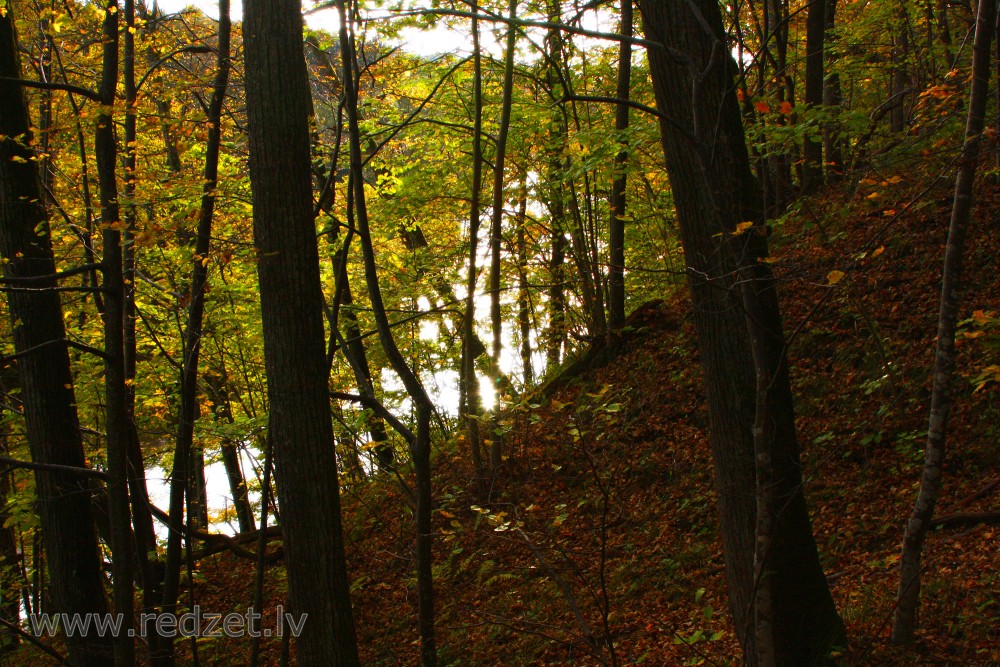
<point>278,108</point>
<point>64,501</point>
<point>218,388</point>
<point>908,596</point>
<point>742,348</point>
<point>616,225</point>
<point>833,143</point>
<point>187,477</point>
<point>420,447</point>
<point>354,349</point>
<point>773,78</point>
<point>812,148</point>
<point>524,310</point>
<point>900,83</point>
<point>117,422</point>
<point>470,403</point>
<point>496,230</point>
<point>555,197</point>
<point>142,516</point>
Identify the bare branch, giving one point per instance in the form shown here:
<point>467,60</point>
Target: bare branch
<point>53,467</point>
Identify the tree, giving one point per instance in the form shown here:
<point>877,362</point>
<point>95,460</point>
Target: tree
<point>181,473</point>
<point>812,148</point>
<point>496,226</point>
<point>278,110</point>
<point>910,569</point>
<point>420,445</point>
<point>781,603</point>
<point>618,201</point>
<point>42,353</point>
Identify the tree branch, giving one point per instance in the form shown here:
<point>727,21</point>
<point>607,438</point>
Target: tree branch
<point>53,467</point>
<point>69,343</point>
<point>29,280</point>
<point>48,85</point>
<point>526,23</point>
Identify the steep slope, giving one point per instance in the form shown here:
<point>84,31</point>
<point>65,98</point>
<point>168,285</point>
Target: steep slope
<point>602,524</point>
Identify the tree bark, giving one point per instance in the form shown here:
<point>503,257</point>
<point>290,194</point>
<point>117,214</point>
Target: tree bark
<point>142,517</point>
<point>908,595</point>
<point>555,197</point>
<point>524,310</point>
<point>470,401</point>
<point>218,387</point>
<point>64,501</point>
<point>741,343</point>
<point>496,229</point>
<point>278,109</point>
<point>118,423</point>
<point>420,447</point>
<point>812,148</point>
<point>354,349</point>
<point>182,481</point>
<point>616,225</point>
<point>833,143</point>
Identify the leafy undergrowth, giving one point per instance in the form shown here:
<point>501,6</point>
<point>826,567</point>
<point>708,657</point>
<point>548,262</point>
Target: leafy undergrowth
<point>599,538</point>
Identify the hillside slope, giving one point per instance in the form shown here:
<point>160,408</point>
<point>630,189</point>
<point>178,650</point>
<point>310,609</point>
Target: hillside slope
<point>602,524</point>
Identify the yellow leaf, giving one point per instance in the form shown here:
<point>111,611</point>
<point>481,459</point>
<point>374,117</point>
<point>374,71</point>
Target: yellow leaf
<point>894,179</point>
<point>743,226</point>
<point>834,277</point>
<point>878,251</point>
<point>873,195</point>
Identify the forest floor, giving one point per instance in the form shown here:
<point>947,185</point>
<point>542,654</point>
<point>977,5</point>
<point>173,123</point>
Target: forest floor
<point>602,522</point>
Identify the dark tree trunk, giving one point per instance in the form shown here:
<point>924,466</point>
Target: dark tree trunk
<point>742,348</point>
<point>833,143</point>
<point>557,289</point>
<point>908,596</point>
<point>899,87</point>
<point>470,401</point>
<point>556,201</point>
<point>118,423</point>
<point>496,229</point>
<point>996,118</point>
<point>142,517</point>
<point>278,109</point>
<point>64,501</point>
<point>420,446</point>
<point>774,79</point>
<point>354,349</point>
<point>218,387</point>
<point>187,477</point>
<point>616,225</point>
<point>812,148</point>
<point>524,310</point>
